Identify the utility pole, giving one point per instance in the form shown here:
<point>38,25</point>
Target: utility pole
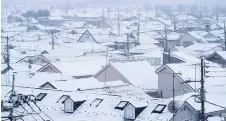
<point>118,24</point>
<point>106,63</point>
<point>53,43</point>
<point>217,14</point>
<point>174,23</point>
<point>7,38</point>
<point>127,45</point>
<point>224,38</point>
<point>174,108</point>
<point>202,92</point>
<point>28,24</point>
<point>11,117</point>
<point>138,28</point>
<point>166,50</point>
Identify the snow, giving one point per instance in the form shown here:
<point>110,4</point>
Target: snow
<point>138,73</point>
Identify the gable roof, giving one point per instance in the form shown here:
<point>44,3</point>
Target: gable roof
<point>139,73</point>
<point>87,31</point>
<point>46,66</point>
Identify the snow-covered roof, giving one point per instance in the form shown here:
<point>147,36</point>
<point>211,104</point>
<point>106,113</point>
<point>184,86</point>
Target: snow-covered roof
<point>185,57</point>
<point>139,73</point>
<point>222,54</point>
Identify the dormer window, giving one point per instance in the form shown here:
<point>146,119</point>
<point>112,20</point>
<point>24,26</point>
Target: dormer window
<point>40,96</point>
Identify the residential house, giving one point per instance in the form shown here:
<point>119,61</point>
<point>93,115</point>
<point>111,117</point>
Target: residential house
<point>96,24</point>
<point>173,39</point>
<point>74,69</point>
<point>198,37</point>
<point>140,74</point>
<point>179,73</point>
<point>98,107</point>
<point>51,21</point>
<point>38,59</point>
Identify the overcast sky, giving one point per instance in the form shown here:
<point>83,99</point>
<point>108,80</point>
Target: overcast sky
<point>14,2</point>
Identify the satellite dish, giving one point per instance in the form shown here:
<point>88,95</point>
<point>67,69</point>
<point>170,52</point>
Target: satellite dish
<point>175,108</point>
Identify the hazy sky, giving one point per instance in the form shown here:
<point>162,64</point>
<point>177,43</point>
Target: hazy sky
<point>14,2</point>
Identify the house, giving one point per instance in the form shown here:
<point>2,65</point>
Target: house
<point>177,73</point>
<point>38,59</point>
<point>74,69</point>
<point>140,74</point>
<point>198,37</point>
<point>218,57</point>
<point>204,49</point>
<point>180,72</point>
<point>180,57</point>
<point>98,107</point>
<point>51,21</point>
<point>173,39</point>
<point>87,37</point>
<point>14,18</point>
<point>96,24</point>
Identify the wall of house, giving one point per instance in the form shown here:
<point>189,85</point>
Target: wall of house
<point>184,114</point>
<point>111,75</point>
<point>68,106</point>
<point>165,84</point>
<point>129,112</point>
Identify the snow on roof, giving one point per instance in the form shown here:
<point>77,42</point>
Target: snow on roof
<point>199,35</point>
<point>55,18</point>
<point>83,84</point>
<point>77,68</point>
<point>222,54</point>
<point>26,79</point>
<point>185,57</point>
<point>187,71</point>
<point>185,17</point>
<point>205,47</point>
<point>106,109</point>
<point>138,73</point>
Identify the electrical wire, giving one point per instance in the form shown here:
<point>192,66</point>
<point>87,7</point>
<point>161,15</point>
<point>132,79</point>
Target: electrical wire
<point>30,114</point>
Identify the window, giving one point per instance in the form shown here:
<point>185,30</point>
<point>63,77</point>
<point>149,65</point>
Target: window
<point>121,105</point>
<point>40,96</point>
<point>96,102</point>
<point>63,98</point>
<point>159,108</point>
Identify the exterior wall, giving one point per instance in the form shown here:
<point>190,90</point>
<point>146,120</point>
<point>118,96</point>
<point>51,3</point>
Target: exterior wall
<point>111,75</point>
<point>129,112</point>
<point>185,114</point>
<point>165,84</point>
<point>68,106</point>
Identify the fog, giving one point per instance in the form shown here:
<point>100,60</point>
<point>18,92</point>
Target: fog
<point>116,2</point>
